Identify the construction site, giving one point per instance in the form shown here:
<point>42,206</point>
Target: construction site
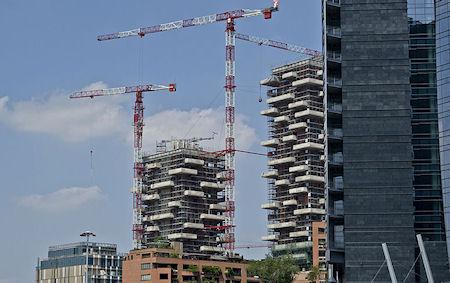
<point>184,198</point>
<point>184,194</point>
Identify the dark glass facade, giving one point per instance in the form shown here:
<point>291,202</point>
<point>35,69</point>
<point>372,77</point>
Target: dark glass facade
<point>428,203</point>
<point>429,216</point>
<point>331,17</point>
<point>443,101</point>
<point>368,73</point>
<point>382,68</point>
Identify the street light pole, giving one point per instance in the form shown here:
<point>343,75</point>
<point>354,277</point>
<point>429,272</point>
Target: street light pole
<point>87,234</point>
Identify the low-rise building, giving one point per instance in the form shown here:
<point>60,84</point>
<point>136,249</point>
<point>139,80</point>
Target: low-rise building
<point>169,265</point>
<point>67,263</point>
<point>319,238</point>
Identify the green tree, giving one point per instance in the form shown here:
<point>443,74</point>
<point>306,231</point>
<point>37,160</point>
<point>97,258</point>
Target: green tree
<point>274,269</point>
<point>213,271</point>
<point>313,275</point>
<point>192,268</point>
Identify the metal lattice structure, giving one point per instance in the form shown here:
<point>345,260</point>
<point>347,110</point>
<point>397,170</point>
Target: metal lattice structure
<point>138,123</point>
<point>278,44</point>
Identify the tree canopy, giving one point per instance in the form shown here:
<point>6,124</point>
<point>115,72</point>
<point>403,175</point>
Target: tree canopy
<point>313,275</point>
<point>274,269</point>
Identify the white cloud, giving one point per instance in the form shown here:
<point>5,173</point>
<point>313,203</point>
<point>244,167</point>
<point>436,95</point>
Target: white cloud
<point>196,123</point>
<point>78,120</point>
<point>70,120</point>
<point>63,199</point>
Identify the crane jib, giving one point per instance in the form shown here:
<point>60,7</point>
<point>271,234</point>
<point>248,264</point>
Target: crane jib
<point>179,24</point>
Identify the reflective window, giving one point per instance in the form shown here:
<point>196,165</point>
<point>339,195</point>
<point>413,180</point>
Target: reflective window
<point>443,94</point>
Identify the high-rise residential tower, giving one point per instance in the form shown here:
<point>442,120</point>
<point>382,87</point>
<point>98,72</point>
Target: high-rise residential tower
<point>184,198</point>
<point>296,158</point>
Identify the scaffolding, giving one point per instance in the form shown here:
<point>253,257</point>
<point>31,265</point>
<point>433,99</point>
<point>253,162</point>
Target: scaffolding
<point>184,198</point>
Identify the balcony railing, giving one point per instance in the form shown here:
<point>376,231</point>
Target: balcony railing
<point>335,107</point>
<point>333,55</point>
<point>335,133</point>
<point>334,31</point>
<point>338,210</point>
<point>334,2</point>
<point>334,81</point>
<point>337,184</point>
<point>337,158</point>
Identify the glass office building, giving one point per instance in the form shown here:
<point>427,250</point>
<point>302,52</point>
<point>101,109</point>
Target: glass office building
<point>367,71</point>
<point>427,175</point>
<point>67,263</point>
<point>443,101</point>
<point>428,200</point>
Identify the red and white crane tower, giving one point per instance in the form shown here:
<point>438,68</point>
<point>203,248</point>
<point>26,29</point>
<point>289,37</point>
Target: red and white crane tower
<point>138,123</point>
<point>230,86</point>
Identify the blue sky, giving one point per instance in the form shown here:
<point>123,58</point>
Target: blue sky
<point>49,49</point>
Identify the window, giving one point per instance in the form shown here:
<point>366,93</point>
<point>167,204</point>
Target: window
<point>164,276</point>
<point>146,277</point>
<point>145,266</point>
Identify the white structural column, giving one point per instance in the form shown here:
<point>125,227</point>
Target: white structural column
<point>389,263</point>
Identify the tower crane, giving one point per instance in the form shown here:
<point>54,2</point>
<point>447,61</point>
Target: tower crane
<point>138,123</point>
<point>278,44</point>
<point>162,145</point>
<point>229,17</point>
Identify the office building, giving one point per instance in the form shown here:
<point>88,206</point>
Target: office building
<point>184,198</point>
<point>296,158</point>
<point>367,71</point>
<point>67,263</point>
<point>428,202</point>
<point>443,93</point>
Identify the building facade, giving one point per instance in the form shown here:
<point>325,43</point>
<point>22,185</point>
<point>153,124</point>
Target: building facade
<point>428,197</point>
<point>366,69</point>
<point>67,263</point>
<point>443,93</point>
<point>184,198</point>
<point>296,158</point>
<point>319,238</point>
<point>166,265</point>
<point>366,49</point>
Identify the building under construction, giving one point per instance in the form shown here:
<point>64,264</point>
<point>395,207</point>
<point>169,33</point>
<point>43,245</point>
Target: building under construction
<point>183,198</point>
<point>296,157</point>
